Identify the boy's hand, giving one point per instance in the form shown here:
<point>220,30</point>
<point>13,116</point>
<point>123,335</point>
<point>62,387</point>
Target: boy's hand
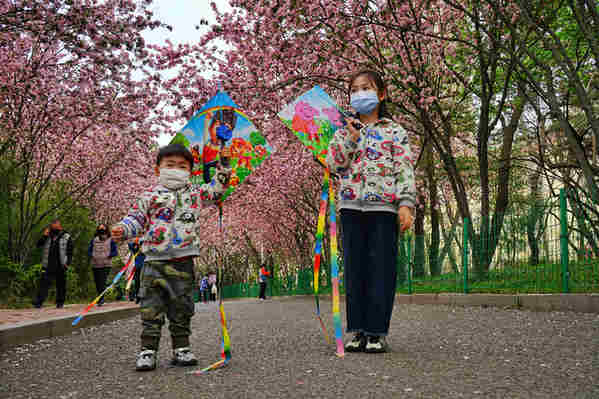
<point>46,232</point>
<point>117,233</point>
<point>405,218</point>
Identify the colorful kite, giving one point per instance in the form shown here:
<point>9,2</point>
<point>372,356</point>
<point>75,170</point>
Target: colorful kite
<point>314,118</point>
<point>221,124</point>
<point>218,124</point>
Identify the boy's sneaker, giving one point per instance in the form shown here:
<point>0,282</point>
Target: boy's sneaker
<point>375,344</point>
<point>357,344</point>
<point>146,360</point>
<point>184,357</point>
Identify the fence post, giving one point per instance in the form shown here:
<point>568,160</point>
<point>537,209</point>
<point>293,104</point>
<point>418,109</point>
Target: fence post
<point>465,256</point>
<point>563,220</point>
<point>409,264</point>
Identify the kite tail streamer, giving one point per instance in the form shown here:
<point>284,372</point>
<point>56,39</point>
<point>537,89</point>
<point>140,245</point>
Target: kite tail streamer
<point>130,279</point>
<point>318,249</point>
<point>95,301</point>
<point>334,268</point>
<point>226,340</point>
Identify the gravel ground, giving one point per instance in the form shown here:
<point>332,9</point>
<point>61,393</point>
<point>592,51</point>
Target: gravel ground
<point>279,352</point>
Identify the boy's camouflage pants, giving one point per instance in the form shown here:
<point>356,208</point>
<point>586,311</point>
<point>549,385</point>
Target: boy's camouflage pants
<point>166,289</point>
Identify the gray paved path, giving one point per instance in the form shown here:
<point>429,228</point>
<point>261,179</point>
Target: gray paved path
<point>278,352</point>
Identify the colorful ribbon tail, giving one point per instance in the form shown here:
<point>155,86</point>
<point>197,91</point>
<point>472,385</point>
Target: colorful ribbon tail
<point>324,330</point>
<point>225,343</point>
<point>130,280</point>
<point>217,365</point>
<point>318,251</point>
<point>97,299</point>
<point>335,269</point>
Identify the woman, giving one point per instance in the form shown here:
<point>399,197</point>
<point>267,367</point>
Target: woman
<point>101,251</point>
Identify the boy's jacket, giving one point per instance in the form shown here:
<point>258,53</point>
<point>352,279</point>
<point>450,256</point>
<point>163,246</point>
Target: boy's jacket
<point>168,220</point>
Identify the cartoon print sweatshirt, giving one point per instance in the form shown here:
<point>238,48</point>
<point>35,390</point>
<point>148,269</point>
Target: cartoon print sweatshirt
<point>377,172</point>
<point>169,219</point>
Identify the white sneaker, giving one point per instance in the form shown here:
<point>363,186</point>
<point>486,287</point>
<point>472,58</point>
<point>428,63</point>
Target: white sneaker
<point>184,357</point>
<point>376,345</point>
<point>146,360</point>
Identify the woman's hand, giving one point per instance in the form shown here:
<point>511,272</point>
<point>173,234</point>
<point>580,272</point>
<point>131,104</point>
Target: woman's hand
<point>405,218</point>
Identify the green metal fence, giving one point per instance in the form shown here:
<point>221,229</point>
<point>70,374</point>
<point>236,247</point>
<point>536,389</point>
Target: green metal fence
<point>551,252</point>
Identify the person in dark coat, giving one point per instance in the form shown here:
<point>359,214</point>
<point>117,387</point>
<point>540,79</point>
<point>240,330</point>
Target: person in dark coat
<point>57,255</point>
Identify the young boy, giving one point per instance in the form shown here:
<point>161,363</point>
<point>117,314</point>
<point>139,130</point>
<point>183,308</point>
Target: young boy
<point>168,217</point>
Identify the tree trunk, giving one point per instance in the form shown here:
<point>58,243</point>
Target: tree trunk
<point>433,250</point>
<point>419,256</point>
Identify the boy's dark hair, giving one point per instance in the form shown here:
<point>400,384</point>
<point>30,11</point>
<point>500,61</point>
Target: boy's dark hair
<point>174,149</point>
<point>378,81</point>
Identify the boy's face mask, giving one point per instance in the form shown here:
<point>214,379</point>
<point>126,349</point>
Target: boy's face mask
<point>173,179</point>
<point>364,102</point>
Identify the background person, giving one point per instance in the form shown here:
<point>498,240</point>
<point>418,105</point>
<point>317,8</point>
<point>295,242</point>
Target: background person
<point>101,250</point>
<point>57,255</point>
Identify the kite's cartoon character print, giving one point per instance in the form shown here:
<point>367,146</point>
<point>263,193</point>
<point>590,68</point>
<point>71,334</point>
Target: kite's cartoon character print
<point>195,151</point>
<point>303,120</point>
<point>222,179</point>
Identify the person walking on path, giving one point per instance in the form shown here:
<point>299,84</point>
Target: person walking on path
<point>135,248</point>
<point>204,289</point>
<point>377,192</point>
<point>100,252</point>
<point>57,255</point>
<point>213,292</point>
<point>263,274</point>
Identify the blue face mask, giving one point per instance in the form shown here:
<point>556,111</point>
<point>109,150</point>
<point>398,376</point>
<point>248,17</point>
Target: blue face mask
<point>364,102</point>
<point>224,133</point>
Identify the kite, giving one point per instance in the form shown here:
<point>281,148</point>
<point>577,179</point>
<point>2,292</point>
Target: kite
<point>314,118</point>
